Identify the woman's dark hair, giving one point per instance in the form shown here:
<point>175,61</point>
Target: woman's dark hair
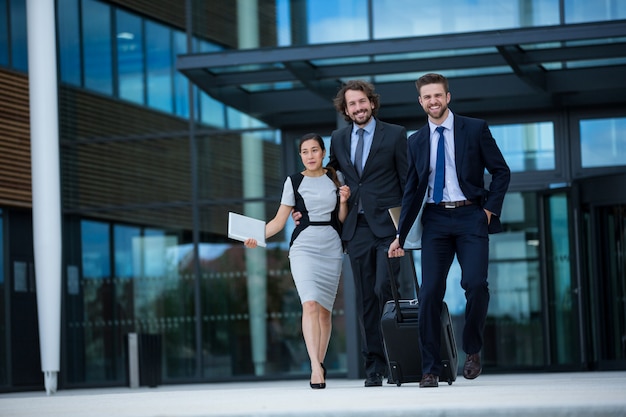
<point>358,85</point>
<point>313,136</point>
<point>320,142</point>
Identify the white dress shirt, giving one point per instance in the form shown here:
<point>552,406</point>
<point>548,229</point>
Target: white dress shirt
<point>451,190</point>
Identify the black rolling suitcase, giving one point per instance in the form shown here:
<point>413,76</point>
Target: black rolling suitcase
<point>401,339</point>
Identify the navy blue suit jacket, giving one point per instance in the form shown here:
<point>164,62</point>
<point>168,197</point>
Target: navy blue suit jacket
<point>475,151</point>
<point>381,185</point>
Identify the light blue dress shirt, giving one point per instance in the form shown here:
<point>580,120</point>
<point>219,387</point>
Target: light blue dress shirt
<point>368,137</point>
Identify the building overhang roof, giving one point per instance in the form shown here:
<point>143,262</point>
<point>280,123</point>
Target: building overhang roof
<point>538,68</point>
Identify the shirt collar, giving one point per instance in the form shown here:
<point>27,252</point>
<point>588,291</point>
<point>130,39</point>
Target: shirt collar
<point>369,128</point>
<point>448,123</point>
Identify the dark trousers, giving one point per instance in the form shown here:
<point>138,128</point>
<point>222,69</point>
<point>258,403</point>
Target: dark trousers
<point>368,258</point>
<point>462,232</point>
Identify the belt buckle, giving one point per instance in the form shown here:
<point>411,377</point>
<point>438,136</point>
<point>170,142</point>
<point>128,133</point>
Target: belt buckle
<point>449,205</point>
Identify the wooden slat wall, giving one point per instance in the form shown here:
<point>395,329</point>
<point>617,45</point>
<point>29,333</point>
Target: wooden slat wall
<point>89,116</point>
<point>115,162</point>
<point>15,188</point>
<point>142,181</point>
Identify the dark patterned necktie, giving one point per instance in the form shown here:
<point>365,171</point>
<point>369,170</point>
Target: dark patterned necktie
<point>358,155</point>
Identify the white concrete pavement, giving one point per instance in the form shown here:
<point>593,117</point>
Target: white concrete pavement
<point>538,395</point>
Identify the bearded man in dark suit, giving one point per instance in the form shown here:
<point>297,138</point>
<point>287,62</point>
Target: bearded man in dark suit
<point>375,170</point>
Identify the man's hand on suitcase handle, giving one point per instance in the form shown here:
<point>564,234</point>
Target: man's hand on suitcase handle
<point>395,251</point>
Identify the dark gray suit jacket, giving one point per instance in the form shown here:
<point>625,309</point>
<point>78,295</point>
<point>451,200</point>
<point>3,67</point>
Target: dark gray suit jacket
<point>382,183</point>
<point>475,151</point>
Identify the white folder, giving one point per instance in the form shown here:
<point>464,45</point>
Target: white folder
<point>242,227</point>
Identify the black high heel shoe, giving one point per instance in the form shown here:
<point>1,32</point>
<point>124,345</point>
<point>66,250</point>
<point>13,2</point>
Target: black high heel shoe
<point>321,385</point>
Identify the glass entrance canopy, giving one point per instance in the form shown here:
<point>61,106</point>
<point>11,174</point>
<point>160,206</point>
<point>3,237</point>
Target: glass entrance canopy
<point>536,68</point>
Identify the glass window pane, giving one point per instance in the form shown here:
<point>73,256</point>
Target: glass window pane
<point>200,45</point>
<point>68,33</point>
<point>100,311</point>
<point>391,19</point>
<point>97,46</point>
<point>603,142</point>
<point>514,328</point>
<point>239,120</point>
<point>526,147</point>
<point>326,17</point>
<point>4,34</point>
<point>212,112</point>
<point>561,288</point>
<point>577,11</point>
<point>283,22</point>
<point>181,83</point>
<point>130,56</point>
<point>123,238</point>
<point>95,250</point>
<point>159,60</point>
<point>19,49</point>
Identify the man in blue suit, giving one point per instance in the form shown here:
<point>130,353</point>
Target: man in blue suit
<point>457,218</point>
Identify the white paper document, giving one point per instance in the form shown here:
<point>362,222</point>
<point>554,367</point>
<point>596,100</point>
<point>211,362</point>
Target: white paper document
<point>242,227</point>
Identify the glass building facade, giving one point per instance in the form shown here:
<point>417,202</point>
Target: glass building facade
<point>155,153</point>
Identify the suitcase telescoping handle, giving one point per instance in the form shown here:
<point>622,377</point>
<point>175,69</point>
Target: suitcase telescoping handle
<point>394,285</point>
<point>394,290</point>
<point>394,213</point>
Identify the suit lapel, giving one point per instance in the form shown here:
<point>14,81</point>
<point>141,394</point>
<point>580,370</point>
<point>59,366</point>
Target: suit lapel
<point>345,137</point>
<point>377,141</point>
<point>459,143</point>
<point>423,148</point>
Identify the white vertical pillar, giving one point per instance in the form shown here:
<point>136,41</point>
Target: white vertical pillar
<point>248,24</point>
<point>252,172</point>
<point>44,139</point>
<point>256,259</point>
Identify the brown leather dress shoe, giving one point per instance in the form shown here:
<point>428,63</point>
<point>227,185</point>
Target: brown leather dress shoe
<point>429,381</point>
<point>472,366</point>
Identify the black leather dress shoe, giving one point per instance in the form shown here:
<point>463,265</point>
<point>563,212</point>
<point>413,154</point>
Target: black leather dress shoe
<point>472,367</point>
<point>429,381</point>
<point>374,380</point>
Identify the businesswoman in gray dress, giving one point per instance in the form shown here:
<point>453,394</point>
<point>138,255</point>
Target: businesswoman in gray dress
<point>316,251</point>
